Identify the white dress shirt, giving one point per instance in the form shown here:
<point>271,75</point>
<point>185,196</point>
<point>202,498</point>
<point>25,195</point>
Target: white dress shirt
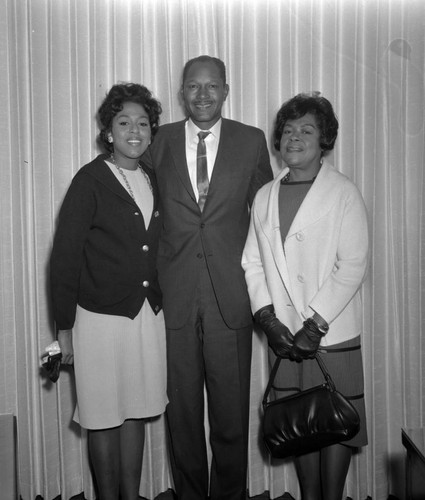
<point>211,143</point>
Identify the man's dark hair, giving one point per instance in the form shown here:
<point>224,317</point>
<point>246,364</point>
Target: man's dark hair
<point>202,59</point>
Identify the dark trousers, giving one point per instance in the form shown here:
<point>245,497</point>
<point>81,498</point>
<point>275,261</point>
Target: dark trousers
<point>206,351</point>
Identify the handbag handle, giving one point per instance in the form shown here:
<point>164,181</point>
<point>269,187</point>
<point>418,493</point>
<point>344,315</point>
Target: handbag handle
<point>276,365</point>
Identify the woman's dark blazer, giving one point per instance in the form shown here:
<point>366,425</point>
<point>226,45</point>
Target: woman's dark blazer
<point>103,257</point>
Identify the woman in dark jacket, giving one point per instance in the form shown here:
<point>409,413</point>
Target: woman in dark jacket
<point>106,300</point>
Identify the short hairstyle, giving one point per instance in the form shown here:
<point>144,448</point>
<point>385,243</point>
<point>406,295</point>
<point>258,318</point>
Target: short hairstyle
<point>206,59</point>
<point>299,106</point>
<point>114,101</point>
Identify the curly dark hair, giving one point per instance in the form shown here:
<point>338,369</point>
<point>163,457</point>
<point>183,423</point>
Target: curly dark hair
<point>114,102</point>
<point>206,59</point>
<point>299,106</point>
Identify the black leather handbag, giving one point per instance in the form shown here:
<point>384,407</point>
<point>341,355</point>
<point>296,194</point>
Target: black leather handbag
<point>307,420</point>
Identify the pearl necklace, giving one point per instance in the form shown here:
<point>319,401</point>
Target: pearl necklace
<point>121,171</point>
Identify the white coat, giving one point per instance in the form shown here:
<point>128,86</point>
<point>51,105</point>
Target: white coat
<point>323,261</point>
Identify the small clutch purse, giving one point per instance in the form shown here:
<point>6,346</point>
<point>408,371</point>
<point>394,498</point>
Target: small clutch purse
<point>307,420</point>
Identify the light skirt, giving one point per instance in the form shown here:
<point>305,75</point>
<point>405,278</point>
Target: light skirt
<point>120,367</point>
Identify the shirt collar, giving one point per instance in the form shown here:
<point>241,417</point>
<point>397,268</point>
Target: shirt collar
<point>192,129</point>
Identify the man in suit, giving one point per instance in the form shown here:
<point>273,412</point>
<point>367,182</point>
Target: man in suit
<point>206,305</point>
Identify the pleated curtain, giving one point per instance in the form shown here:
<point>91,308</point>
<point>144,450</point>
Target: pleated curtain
<point>58,60</point>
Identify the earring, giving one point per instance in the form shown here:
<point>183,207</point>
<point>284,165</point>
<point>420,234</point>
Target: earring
<point>110,139</point>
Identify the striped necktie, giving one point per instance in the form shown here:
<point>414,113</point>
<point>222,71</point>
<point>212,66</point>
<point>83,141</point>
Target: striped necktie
<point>202,170</point>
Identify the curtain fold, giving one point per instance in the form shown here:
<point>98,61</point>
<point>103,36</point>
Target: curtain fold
<point>60,57</point>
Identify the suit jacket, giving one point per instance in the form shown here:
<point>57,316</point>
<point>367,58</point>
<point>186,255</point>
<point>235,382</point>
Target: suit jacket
<point>323,261</point>
<point>218,234</point>
<point>103,257</point>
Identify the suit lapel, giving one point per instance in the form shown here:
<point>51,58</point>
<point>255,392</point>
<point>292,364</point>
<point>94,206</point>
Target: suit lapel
<point>225,166</point>
<point>225,143</point>
<point>177,144</point>
<point>225,147</point>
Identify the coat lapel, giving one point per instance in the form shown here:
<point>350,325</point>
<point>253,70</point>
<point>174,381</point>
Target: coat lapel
<point>103,174</point>
<point>317,203</point>
<point>272,230</point>
<point>155,192</point>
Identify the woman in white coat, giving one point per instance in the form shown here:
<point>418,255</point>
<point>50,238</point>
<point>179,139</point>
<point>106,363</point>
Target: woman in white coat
<point>305,259</point>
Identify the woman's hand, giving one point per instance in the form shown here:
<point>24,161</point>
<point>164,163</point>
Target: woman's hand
<point>306,341</point>
<point>65,343</point>
<point>278,335</point>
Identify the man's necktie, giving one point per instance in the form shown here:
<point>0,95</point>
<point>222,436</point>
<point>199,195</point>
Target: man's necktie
<point>202,170</point>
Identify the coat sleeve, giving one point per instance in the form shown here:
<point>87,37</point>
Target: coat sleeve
<point>350,267</point>
<point>75,219</point>
<point>263,172</point>
<point>253,266</point>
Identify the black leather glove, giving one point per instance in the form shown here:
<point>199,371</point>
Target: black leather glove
<point>52,366</point>
<point>306,341</point>
<point>278,335</point>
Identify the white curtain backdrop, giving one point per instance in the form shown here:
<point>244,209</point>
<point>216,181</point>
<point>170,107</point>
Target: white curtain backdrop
<point>59,58</point>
